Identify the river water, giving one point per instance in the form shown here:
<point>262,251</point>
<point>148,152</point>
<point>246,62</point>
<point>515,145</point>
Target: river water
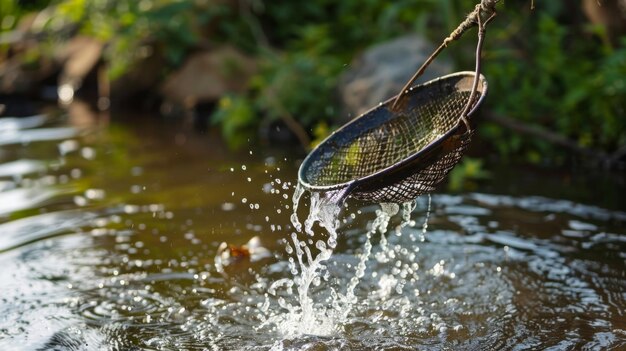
<point>122,235</point>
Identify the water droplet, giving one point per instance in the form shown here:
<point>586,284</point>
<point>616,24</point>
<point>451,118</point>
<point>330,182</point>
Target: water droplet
<point>320,245</point>
<point>332,242</point>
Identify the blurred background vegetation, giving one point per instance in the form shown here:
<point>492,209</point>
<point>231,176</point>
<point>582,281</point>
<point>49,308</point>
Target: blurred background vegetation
<point>557,73</point>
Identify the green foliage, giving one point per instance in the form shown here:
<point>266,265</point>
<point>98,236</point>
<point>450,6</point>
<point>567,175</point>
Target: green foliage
<point>135,29</point>
<point>320,132</point>
<point>467,174</point>
<point>556,74</point>
<point>540,71</point>
<point>545,66</point>
<point>235,116</point>
<point>303,85</point>
<point>318,39</point>
<point>11,11</point>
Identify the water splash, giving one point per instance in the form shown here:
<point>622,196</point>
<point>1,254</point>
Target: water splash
<point>121,273</point>
<point>297,194</point>
<point>325,314</point>
<point>308,267</point>
<point>379,224</point>
<point>425,225</point>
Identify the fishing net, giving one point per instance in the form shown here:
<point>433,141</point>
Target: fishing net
<point>394,156</point>
<point>406,146</point>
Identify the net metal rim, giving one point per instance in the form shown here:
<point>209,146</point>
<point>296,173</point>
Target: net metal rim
<point>449,133</point>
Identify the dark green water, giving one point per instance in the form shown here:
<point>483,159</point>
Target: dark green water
<point>109,233</point>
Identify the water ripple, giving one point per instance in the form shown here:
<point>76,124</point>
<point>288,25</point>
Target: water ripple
<point>35,135</point>
<point>27,198</point>
<point>21,167</point>
<point>30,229</point>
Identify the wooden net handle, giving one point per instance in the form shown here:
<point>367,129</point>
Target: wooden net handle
<point>486,9</point>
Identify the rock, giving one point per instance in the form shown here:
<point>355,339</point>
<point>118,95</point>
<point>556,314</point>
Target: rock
<point>19,75</point>
<point>74,60</point>
<point>382,70</point>
<point>207,76</point>
<point>79,57</point>
<point>136,86</point>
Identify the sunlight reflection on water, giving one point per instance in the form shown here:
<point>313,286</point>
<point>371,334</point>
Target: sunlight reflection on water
<point>115,248</point>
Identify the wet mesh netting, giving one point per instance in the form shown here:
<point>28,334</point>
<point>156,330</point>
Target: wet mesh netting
<point>406,146</point>
<point>382,139</point>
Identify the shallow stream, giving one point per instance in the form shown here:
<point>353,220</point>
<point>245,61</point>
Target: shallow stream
<point>111,237</point>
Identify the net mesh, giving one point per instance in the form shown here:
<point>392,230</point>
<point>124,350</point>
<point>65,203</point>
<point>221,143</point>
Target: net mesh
<point>374,145</point>
<point>418,183</point>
